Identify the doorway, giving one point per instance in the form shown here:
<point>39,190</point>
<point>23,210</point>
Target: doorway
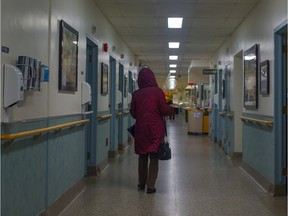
<point>113,152</point>
<point>236,104</point>
<point>91,129</point>
<point>280,100</point>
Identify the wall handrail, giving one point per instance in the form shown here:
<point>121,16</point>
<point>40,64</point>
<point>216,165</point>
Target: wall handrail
<point>243,118</point>
<point>118,114</point>
<point>126,113</point>
<point>104,117</point>
<point>229,115</point>
<point>42,130</point>
<point>222,114</point>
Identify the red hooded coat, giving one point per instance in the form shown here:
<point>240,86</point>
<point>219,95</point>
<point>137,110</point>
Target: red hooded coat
<point>148,107</point>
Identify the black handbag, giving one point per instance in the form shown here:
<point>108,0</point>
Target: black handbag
<point>164,152</point>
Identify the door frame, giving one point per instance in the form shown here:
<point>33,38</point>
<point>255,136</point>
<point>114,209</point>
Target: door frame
<point>121,87</point>
<point>91,129</point>
<point>280,100</point>
<point>113,152</point>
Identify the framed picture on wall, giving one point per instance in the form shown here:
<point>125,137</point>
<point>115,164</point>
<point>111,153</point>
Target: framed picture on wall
<point>223,88</point>
<point>125,86</point>
<point>251,78</point>
<point>264,77</point>
<point>104,79</point>
<point>68,57</point>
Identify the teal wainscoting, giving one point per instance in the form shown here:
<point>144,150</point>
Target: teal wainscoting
<point>38,170</point>
<point>24,171</point>
<point>66,158</point>
<point>259,147</point>
<point>103,142</point>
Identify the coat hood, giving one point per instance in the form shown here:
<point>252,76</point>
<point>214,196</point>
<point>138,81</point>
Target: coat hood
<point>146,78</point>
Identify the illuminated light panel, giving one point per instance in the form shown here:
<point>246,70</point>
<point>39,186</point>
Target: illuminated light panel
<point>173,57</point>
<point>173,65</point>
<point>175,22</point>
<point>172,71</point>
<point>174,45</point>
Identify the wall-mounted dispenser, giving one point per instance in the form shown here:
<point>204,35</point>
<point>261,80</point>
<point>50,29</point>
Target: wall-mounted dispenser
<point>129,98</point>
<point>13,85</point>
<point>216,100</point>
<point>86,97</point>
<point>118,97</point>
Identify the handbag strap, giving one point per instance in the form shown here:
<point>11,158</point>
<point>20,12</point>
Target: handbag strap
<point>165,127</point>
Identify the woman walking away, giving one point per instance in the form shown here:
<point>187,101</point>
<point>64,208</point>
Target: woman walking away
<point>148,107</point>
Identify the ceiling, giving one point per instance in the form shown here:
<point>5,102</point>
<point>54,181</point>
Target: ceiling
<point>142,24</point>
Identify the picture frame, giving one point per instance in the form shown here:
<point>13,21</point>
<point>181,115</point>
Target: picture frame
<point>251,77</point>
<point>104,79</point>
<point>223,89</point>
<point>125,86</point>
<point>264,77</point>
<point>68,57</point>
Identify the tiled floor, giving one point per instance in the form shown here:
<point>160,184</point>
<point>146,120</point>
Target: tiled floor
<point>199,181</point>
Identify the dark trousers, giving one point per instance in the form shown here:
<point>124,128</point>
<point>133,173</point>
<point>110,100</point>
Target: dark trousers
<point>148,169</point>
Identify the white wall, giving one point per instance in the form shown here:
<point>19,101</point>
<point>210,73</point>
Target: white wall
<point>257,28</point>
<point>33,30</point>
<point>25,32</point>
<point>81,15</point>
<point>195,75</point>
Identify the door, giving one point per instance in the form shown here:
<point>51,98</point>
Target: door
<point>92,79</point>
<point>120,108</point>
<point>112,103</point>
<point>214,111</point>
<point>280,97</point>
<point>220,116</point>
<point>229,120</point>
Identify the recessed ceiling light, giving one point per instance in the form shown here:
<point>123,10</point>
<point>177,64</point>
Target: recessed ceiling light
<point>173,65</point>
<point>175,22</point>
<point>174,44</point>
<point>172,71</point>
<point>173,57</point>
<point>172,77</point>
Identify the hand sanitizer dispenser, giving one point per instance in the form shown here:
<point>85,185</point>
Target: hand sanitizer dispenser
<point>118,97</point>
<point>85,93</point>
<point>86,97</point>
<point>13,85</point>
<point>129,98</point>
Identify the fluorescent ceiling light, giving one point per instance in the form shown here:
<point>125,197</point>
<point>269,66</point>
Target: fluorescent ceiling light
<point>174,44</point>
<point>172,77</point>
<point>173,65</point>
<point>172,71</point>
<point>173,57</point>
<point>175,22</point>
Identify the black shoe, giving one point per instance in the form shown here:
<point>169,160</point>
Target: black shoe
<point>141,186</point>
<point>151,190</point>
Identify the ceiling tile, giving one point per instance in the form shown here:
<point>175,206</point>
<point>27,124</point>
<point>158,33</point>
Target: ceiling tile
<point>143,26</point>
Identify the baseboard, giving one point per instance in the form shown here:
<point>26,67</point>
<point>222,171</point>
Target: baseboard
<point>98,169</point>
<point>266,185</point>
<point>130,140</point>
<point>113,154</point>
<point>123,147</point>
<point>65,200</point>
<point>236,156</point>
